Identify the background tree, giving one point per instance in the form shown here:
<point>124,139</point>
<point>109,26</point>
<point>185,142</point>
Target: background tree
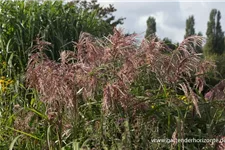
<point>215,35</point>
<point>200,34</point>
<point>169,43</point>
<point>199,49</point>
<point>151,27</point>
<point>102,12</point>
<point>190,30</point>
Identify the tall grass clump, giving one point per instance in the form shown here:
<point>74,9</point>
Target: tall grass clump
<point>69,81</point>
<point>58,22</point>
<point>21,23</point>
<point>112,94</point>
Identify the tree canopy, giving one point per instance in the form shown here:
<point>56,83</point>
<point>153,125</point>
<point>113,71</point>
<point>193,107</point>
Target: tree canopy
<point>151,27</point>
<point>190,30</point>
<point>215,35</point>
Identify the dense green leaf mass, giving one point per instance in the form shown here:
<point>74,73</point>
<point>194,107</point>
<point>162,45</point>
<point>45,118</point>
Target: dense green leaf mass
<point>151,27</point>
<point>190,30</point>
<point>54,21</point>
<point>215,35</point>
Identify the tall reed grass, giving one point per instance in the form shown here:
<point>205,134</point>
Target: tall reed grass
<point>104,92</point>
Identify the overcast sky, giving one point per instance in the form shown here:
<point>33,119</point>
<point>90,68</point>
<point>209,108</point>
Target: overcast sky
<point>170,16</point>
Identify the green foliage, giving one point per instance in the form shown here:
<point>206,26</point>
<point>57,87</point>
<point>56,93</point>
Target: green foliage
<point>102,12</point>
<point>215,35</point>
<point>214,47</point>
<point>21,22</point>
<point>151,27</point>
<point>54,21</point>
<point>170,44</point>
<point>220,69</point>
<point>142,83</point>
<point>199,49</point>
<point>190,23</point>
<point>190,31</point>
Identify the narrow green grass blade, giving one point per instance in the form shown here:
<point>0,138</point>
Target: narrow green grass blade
<point>27,134</point>
<point>13,142</point>
<point>38,113</point>
<point>48,137</point>
<point>75,145</point>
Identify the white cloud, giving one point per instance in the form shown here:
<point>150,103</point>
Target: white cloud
<point>170,16</point>
<point>201,13</point>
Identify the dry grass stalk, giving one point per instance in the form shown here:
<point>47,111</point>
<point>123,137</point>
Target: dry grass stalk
<point>113,63</point>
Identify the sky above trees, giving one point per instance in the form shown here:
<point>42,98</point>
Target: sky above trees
<point>170,16</point>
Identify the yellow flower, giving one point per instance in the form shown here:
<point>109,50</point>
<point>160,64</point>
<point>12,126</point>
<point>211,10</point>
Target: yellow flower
<point>184,98</point>
<point>11,81</point>
<point>190,107</point>
<point>5,83</point>
<point>153,106</point>
<point>2,87</point>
